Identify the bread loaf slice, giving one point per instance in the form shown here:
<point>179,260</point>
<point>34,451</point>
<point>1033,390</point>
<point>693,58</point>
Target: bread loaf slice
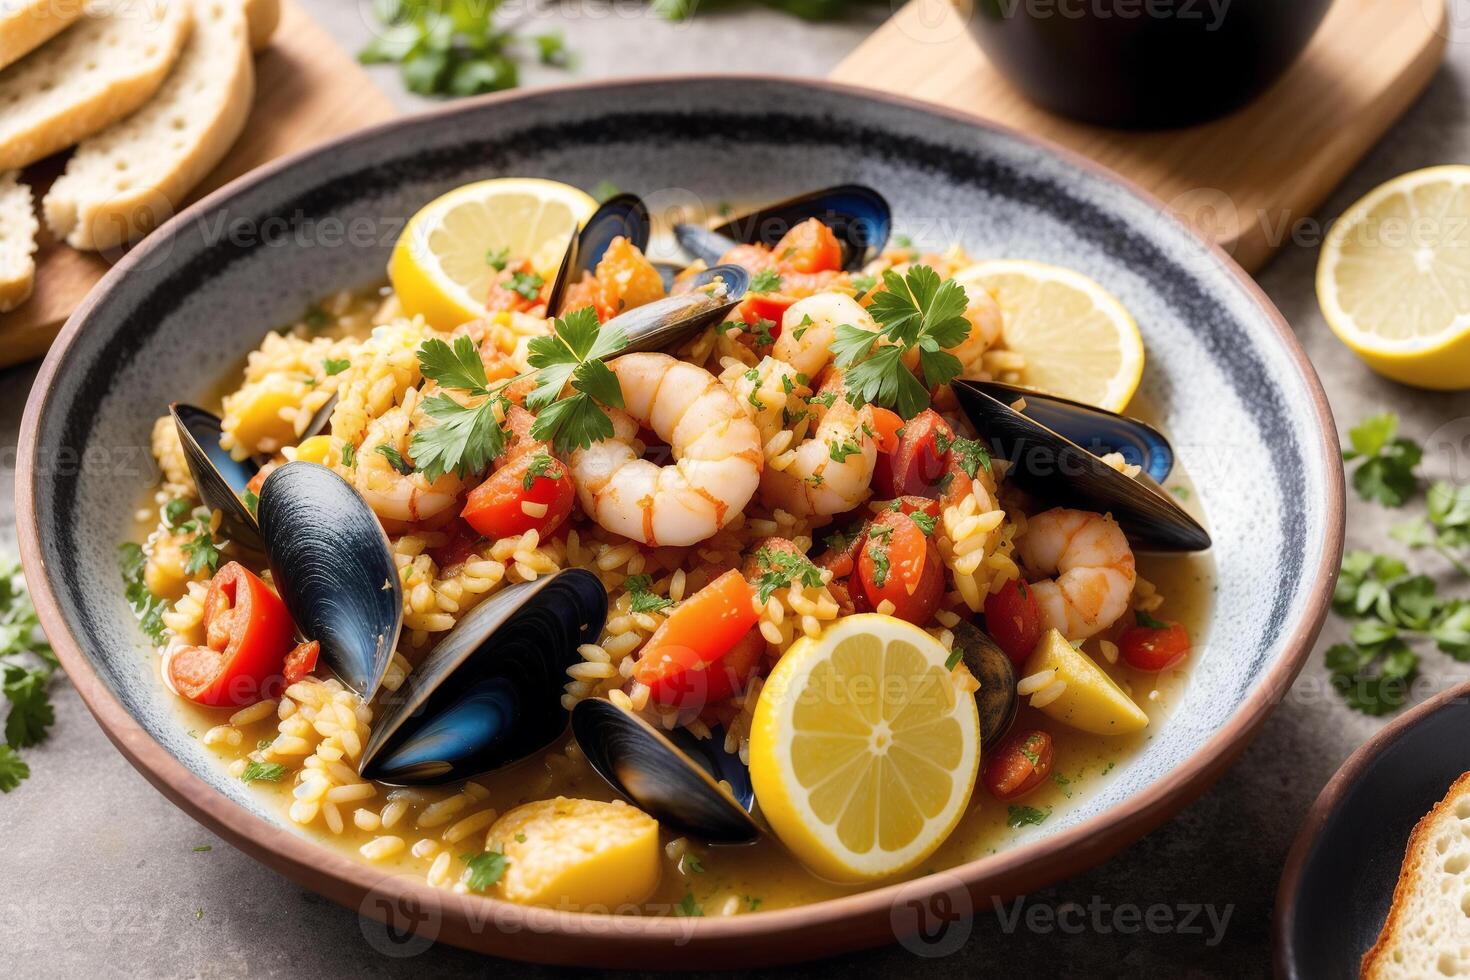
<point>89,76</point>
<point>263,17</point>
<point>123,182</point>
<point>1427,932</point>
<point>27,24</point>
<point>18,229</point>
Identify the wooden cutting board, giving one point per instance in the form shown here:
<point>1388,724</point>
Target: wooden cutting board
<point>1251,180</point>
<point>308,89</point>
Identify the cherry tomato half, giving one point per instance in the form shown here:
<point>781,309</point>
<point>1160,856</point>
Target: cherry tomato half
<point>1018,765</point>
<point>534,491</point>
<point>682,663</point>
<point>1153,648</point>
<point>900,563</point>
<point>918,464</point>
<point>1013,618</point>
<point>248,634</point>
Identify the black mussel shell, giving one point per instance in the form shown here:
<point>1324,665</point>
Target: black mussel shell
<point>333,567</point>
<point>996,699</point>
<point>622,215</point>
<point>220,478</point>
<point>859,216</point>
<point>672,776</point>
<point>489,694</point>
<point>1052,467</point>
<point>665,322</point>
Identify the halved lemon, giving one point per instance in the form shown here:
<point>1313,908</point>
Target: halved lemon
<point>442,265</point>
<point>864,749</point>
<point>1078,340</point>
<point>1393,279</point>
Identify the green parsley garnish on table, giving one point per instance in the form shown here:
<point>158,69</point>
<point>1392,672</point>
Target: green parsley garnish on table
<point>26,666</point>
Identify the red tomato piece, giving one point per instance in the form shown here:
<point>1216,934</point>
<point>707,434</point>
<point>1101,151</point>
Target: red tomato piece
<point>248,634</point>
<point>504,296</point>
<point>677,661</point>
<point>1153,648</point>
<point>765,306</point>
<point>919,465</point>
<point>1018,765</point>
<point>809,247</point>
<point>901,564</point>
<point>534,491</point>
<point>888,425</point>
<point>1013,618</point>
<point>301,661</point>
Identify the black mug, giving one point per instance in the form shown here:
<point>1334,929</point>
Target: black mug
<point>1144,63</point>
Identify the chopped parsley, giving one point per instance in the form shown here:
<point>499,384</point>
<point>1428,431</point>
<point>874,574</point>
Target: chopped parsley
<point>520,838</point>
<point>862,283</point>
<point>542,464</point>
<point>202,848</point>
<point>26,665</point>
<point>761,330</point>
<point>878,554</point>
<point>604,190</point>
<point>316,318</point>
<point>953,660</point>
<point>765,281</point>
<point>972,456</point>
<point>467,437</point>
<point>335,365</point>
<point>926,522</point>
<point>573,353</point>
<point>839,451</point>
<point>692,864</point>
<point>395,458</point>
<point>826,399</point>
<point>802,327</point>
<point>917,311</point>
<point>688,907</point>
<point>201,548</point>
<point>252,502</point>
<point>752,903</point>
<point>267,772</point>
<point>1181,492</point>
<point>526,284</point>
<point>1142,618</point>
<point>1062,784</point>
<point>497,258</point>
<point>349,455</point>
<point>1021,816</point>
<point>175,512</point>
<point>485,869</point>
<point>754,377</point>
<point>644,600</point>
<point>778,569</point>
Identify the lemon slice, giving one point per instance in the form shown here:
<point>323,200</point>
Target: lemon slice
<point>441,265</point>
<point>863,749</point>
<point>1078,340</point>
<point>1393,278</point>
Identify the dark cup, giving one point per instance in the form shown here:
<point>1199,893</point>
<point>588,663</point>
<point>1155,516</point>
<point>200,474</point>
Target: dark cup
<point>1144,63</point>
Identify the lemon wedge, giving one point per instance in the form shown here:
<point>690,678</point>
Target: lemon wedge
<point>1393,279</point>
<point>441,266</point>
<point>864,748</point>
<point>1078,340</point>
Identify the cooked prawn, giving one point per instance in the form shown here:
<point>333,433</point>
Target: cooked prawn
<point>395,496</point>
<point>716,450</point>
<point>1093,565</point>
<point>809,326</point>
<point>984,316</point>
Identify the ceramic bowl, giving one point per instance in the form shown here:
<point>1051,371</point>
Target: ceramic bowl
<point>177,315</point>
<point>1342,868</point>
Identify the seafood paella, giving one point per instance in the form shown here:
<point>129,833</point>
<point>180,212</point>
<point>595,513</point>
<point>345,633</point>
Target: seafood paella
<point>576,578</point>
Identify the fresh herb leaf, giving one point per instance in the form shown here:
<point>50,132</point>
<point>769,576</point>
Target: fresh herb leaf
<point>175,512</point>
<point>862,283</point>
<point>203,848</point>
<point>972,456</point>
<point>604,190</point>
<point>926,522</point>
<point>688,907</point>
<point>395,459</point>
<point>1062,783</point>
<point>201,548</point>
<point>497,258</point>
<point>573,354</point>
<point>642,599</point>
<point>752,903</point>
<point>30,714</point>
<point>551,49</point>
<point>778,569</point>
<point>485,869</point>
<point>1022,816</point>
<point>349,455</point>
<point>1145,620</point>
<point>878,555</point>
<point>1386,462</point>
<point>266,772</point>
<point>466,437</point>
<point>541,464</point>
<point>953,660</point>
<point>765,281</point>
<point>692,864</point>
<point>13,769</point>
<point>252,502</point>
<point>839,451</point>
<point>527,284</point>
<point>335,365</point>
<point>147,607</point>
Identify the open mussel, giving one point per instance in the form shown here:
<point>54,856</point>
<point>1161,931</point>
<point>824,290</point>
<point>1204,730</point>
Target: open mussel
<point>1047,459</point>
<point>622,215</point>
<point>858,215</point>
<point>996,699</point>
<point>703,300</point>
<point>673,776</point>
<point>332,565</point>
<point>489,694</point>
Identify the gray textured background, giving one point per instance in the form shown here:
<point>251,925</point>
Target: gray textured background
<point>100,874</point>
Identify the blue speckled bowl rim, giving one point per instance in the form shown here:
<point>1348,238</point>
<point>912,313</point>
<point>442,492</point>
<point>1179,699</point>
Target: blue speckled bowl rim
<point>553,936</point>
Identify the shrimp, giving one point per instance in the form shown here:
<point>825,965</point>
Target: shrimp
<point>716,449</point>
<point>1095,564</point>
<point>395,496</point>
<point>984,316</point>
<point>809,326</point>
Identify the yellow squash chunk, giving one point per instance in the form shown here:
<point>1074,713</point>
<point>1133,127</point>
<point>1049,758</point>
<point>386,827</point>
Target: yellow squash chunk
<point>258,417</point>
<point>317,449</point>
<point>1091,702</point>
<point>581,855</point>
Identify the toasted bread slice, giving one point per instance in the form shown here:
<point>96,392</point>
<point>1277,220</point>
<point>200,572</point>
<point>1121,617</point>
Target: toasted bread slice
<point>27,24</point>
<point>18,229</point>
<point>1428,927</point>
<point>264,16</point>
<point>89,76</point>
<point>123,182</point>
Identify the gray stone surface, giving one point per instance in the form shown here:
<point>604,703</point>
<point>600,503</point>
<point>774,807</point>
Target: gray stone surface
<point>101,875</point>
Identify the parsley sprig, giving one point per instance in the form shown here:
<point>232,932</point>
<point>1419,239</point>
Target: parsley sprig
<point>572,354</point>
<point>484,869</point>
<point>778,569</point>
<point>1385,461</point>
<point>467,436</point>
<point>916,310</point>
<point>1446,528</point>
<point>26,666</point>
<point>643,598</point>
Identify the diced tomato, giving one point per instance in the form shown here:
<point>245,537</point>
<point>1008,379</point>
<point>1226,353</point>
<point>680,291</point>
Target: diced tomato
<point>809,247</point>
<point>514,500</point>
<point>503,298</point>
<point>919,464</point>
<point>842,558</point>
<point>248,634</point>
<point>1018,765</point>
<point>901,564</point>
<point>1013,618</point>
<point>683,662</point>
<point>1153,648</point>
<point>301,661</point>
<point>888,425</point>
<point>765,306</point>
<point>916,505</point>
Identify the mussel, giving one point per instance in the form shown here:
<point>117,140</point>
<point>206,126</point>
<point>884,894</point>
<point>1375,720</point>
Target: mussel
<point>622,215</point>
<point>673,776</point>
<point>1043,445</point>
<point>996,699</point>
<point>858,215</point>
<point>489,694</point>
<point>704,299</point>
<point>334,569</point>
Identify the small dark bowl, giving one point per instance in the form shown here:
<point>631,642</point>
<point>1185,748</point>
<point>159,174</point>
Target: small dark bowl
<point>1341,872</point>
<point>1117,63</point>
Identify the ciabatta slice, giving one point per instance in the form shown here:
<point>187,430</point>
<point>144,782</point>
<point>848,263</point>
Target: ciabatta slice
<point>18,229</point>
<point>89,76</point>
<point>27,24</point>
<point>123,182</point>
<point>1427,933</point>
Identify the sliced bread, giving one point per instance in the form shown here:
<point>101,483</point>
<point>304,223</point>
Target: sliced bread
<point>89,76</point>
<point>27,24</point>
<point>1427,932</point>
<point>18,229</point>
<point>124,181</point>
<point>264,16</point>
